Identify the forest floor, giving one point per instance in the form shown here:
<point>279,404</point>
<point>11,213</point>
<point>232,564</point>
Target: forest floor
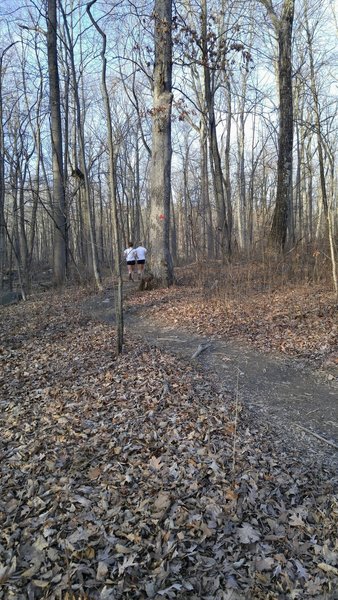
<point>277,352</point>
<point>157,475</point>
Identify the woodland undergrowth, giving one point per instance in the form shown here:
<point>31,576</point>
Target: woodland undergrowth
<point>252,305</point>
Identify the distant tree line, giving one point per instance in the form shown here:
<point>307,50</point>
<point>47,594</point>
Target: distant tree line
<point>205,128</point>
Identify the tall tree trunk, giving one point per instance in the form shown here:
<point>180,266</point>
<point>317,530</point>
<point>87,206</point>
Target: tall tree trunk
<point>137,203</point>
<point>227,175</point>
<point>308,191</point>
<point>241,179</point>
<point>215,157</point>
<point>161,260</point>
<point>24,258</point>
<point>84,173</point>
<point>204,187</point>
<point>36,127</point>
<point>299,148</point>
<point>320,149</point>
<point>2,183</point>
<point>283,29</point>
<point>59,201</point>
<point>112,189</point>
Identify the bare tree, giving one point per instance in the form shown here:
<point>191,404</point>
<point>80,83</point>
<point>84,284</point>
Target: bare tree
<point>161,261</point>
<point>84,167</point>
<point>210,86</point>
<point>112,186</point>
<point>59,199</point>
<point>2,170</point>
<point>321,152</point>
<point>283,25</point>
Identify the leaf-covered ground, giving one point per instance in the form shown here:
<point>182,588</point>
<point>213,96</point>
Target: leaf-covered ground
<point>300,321</point>
<point>133,477</point>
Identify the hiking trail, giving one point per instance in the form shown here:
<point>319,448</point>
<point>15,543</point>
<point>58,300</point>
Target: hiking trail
<point>300,403</point>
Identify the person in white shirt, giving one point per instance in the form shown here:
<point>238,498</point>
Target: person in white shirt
<point>130,256</point>
<point>141,253</point>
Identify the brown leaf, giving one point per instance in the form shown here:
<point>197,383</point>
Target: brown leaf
<point>328,568</point>
<point>247,534</point>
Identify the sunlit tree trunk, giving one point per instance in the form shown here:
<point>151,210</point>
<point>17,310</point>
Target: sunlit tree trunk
<point>227,149</point>
<point>241,177</point>
<point>2,181</point>
<point>308,191</point>
<point>215,158</point>
<point>299,151</point>
<point>59,203</point>
<point>83,161</point>
<point>321,151</point>
<point>207,234</point>
<point>161,261</point>
<point>2,174</point>
<point>35,122</point>
<point>112,188</point>
<point>283,25</point>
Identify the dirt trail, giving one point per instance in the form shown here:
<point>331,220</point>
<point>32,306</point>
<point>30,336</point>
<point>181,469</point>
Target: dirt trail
<point>279,391</point>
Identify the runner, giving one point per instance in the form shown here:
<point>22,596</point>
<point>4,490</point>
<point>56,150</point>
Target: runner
<point>141,253</point>
<point>130,256</point>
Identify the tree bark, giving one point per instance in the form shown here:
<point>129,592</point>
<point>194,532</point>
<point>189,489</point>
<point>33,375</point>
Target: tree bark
<point>59,200</point>
<point>85,172</point>
<point>320,149</point>
<point>161,260</point>
<point>215,157</point>
<point>283,29</point>
<point>112,188</point>
<point>2,182</point>
<point>4,231</point>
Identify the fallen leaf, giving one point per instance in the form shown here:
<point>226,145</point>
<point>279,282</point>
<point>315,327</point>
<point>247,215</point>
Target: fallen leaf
<point>247,534</point>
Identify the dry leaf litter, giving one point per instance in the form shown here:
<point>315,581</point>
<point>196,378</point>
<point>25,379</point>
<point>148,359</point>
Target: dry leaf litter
<point>133,477</point>
<point>298,321</point>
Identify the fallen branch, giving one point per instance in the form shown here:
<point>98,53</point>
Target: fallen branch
<point>319,437</point>
<point>312,411</point>
<point>200,349</point>
<point>165,389</point>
